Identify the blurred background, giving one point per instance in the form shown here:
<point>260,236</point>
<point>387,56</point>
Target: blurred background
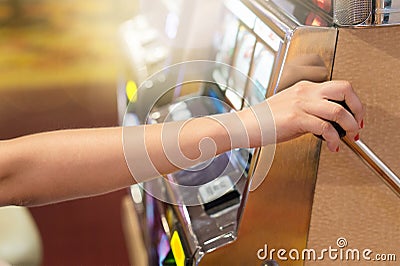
<point>59,69</point>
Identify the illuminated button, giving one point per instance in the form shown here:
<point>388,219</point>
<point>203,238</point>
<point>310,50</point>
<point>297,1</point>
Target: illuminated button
<point>177,249</point>
<point>131,91</point>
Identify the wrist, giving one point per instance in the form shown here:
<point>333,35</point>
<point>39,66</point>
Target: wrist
<point>232,131</point>
<point>259,124</point>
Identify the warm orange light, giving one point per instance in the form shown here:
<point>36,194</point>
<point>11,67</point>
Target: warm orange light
<point>315,20</point>
<point>325,5</point>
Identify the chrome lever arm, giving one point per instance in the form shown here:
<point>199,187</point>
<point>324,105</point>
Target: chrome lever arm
<point>375,163</point>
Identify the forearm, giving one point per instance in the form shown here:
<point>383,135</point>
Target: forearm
<point>179,145</point>
<point>62,165</point>
<point>68,164</point>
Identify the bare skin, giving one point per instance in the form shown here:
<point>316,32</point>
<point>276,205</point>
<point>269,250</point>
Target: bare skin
<point>69,164</point>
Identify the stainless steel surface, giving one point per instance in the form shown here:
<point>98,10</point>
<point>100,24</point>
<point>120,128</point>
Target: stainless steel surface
<point>278,212</point>
<point>266,12</point>
<point>373,161</point>
<point>366,12</point>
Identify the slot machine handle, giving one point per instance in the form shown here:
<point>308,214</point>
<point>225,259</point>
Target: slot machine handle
<point>368,156</point>
<point>339,129</point>
<point>375,163</point>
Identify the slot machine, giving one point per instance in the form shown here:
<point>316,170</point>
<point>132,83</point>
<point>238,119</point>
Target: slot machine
<point>310,199</point>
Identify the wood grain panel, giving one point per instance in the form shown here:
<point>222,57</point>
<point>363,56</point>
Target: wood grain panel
<point>350,200</point>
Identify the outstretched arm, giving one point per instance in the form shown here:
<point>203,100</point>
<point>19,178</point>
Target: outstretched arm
<point>68,164</point>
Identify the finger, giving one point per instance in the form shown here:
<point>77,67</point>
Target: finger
<point>323,128</point>
<point>335,112</point>
<point>340,90</point>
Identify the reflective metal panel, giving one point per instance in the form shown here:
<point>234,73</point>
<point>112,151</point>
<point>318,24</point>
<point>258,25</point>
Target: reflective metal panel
<point>277,213</point>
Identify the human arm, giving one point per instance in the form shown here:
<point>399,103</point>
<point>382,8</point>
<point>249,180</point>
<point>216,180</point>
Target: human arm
<point>63,165</point>
<point>67,164</point>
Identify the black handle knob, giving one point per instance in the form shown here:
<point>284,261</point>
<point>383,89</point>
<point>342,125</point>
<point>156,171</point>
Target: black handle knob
<point>339,129</point>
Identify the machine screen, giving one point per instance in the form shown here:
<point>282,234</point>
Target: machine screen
<point>237,80</point>
<point>226,43</point>
<point>264,59</point>
<point>227,46</point>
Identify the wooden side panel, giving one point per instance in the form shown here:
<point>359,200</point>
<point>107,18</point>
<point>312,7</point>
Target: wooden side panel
<point>350,200</point>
